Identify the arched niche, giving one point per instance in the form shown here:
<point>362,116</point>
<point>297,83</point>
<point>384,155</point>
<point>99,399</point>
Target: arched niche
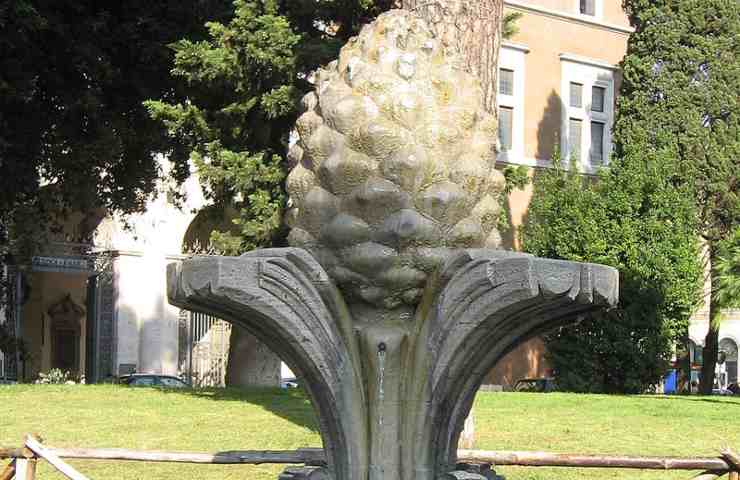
<point>730,348</point>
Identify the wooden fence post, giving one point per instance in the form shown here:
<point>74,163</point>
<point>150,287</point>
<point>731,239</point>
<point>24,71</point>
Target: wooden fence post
<point>8,472</point>
<point>25,466</point>
<point>25,469</point>
<point>56,462</point>
<point>733,459</point>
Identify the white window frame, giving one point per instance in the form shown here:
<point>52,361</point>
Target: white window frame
<point>512,57</point>
<point>598,9</point>
<point>589,73</point>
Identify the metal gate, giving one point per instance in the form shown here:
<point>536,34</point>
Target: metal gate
<point>9,321</point>
<point>206,349</point>
<point>3,364</point>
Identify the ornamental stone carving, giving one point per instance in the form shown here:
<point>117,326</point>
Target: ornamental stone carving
<point>395,164</point>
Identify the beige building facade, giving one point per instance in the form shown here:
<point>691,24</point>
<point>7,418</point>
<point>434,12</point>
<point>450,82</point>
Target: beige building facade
<point>559,78</point>
<point>558,81</point>
<point>564,65</point>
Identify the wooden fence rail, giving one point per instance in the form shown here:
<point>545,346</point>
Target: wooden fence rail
<point>23,460</point>
<point>308,456</point>
<point>544,459</point>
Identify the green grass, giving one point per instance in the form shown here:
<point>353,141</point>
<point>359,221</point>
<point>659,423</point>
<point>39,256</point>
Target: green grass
<point>629,425</point>
<point>217,420</point>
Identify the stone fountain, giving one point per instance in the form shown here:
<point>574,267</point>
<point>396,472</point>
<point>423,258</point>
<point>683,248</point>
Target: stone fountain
<point>393,302</point>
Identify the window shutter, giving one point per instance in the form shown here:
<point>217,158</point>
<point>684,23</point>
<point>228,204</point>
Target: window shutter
<point>506,81</point>
<point>576,95</point>
<point>574,138</point>
<point>597,143</point>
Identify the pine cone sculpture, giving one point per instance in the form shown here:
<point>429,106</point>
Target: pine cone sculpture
<point>395,164</point>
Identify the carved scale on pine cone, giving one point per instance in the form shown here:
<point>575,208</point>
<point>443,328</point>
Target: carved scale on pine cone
<point>392,304</point>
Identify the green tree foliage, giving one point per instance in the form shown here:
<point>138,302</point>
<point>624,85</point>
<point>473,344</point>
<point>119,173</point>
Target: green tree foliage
<point>509,27</point>
<point>726,280</point>
<point>681,99</point>
<point>74,134</point>
<point>244,85</point>
<point>633,218</point>
<point>674,179</point>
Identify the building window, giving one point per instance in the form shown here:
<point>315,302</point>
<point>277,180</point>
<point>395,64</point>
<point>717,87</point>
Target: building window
<point>505,125</point>
<point>596,154</point>
<point>587,88</point>
<point>506,81</point>
<point>597,98</point>
<point>588,7</point>
<point>510,103</point>
<point>576,94</point>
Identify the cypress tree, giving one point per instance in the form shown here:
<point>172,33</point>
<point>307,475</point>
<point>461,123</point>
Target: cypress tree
<point>672,186</point>
<point>681,99</point>
<point>244,85</point>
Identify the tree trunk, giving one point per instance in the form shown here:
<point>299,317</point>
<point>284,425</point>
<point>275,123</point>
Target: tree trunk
<point>711,350</point>
<point>684,368</point>
<point>470,29</point>
<point>711,341</point>
<point>251,363</point>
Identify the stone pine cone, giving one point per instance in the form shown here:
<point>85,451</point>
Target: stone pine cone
<point>395,164</point>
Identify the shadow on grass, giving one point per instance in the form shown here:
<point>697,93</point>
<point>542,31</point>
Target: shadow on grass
<point>291,404</point>
<point>729,400</point>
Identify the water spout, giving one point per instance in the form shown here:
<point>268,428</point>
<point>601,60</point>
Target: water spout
<point>379,470</point>
<point>381,378</point>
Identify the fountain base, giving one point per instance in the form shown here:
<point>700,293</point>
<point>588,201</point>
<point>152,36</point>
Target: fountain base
<point>392,393</point>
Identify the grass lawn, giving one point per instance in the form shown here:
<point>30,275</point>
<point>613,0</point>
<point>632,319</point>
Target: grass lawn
<point>215,420</point>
